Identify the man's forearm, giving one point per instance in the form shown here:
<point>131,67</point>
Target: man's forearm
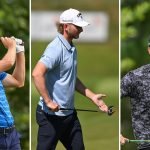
<point>39,82</point>
<point>5,65</point>
<point>8,60</point>
<point>95,98</point>
<point>19,71</point>
<point>80,87</point>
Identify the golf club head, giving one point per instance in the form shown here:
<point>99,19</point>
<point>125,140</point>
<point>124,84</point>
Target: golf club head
<point>110,110</point>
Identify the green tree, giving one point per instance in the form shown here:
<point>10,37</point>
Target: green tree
<point>14,21</point>
<point>135,16</point>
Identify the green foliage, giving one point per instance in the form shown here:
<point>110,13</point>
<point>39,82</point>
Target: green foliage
<point>135,24</point>
<point>127,64</point>
<point>14,20</point>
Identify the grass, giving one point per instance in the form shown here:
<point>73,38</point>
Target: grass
<point>98,69</point>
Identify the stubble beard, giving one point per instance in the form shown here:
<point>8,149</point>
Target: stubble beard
<point>73,36</point>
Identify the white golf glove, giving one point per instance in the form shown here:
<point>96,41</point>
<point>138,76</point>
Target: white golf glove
<point>19,45</point>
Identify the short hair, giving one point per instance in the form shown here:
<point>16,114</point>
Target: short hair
<point>60,27</point>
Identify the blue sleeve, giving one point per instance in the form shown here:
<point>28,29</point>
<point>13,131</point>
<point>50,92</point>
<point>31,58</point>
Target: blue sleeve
<point>2,75</point>
<point>51,57</point>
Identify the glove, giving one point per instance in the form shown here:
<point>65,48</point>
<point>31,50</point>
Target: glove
<point>19,45</point>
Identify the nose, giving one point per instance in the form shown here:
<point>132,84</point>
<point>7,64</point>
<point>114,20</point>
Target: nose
<point>80,29</point>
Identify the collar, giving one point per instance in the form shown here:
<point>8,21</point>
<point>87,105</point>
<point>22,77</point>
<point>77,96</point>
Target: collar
<point>64,41</point>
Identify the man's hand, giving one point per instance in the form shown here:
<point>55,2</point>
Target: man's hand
<point>53,106</point>
<point>8,43</point>
<point>19,45</point>
<point>123,140</point>
<point>97,99</point>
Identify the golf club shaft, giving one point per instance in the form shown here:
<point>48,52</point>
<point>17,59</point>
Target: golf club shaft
<point>79,109</point>
<point>109,113</point>
<point>138,141</point>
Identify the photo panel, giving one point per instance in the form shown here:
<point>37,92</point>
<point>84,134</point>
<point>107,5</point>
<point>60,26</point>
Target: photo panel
<point>75,63</point>
<point>14,74</point>
<point>135,75</point>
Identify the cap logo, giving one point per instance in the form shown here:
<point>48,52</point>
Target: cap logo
<point>79,15</point>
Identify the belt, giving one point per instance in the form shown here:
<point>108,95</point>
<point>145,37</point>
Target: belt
<point>5,131</point>
<point>39,110</point>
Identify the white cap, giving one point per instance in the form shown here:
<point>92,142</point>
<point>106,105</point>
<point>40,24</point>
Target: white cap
<point>73,16</point>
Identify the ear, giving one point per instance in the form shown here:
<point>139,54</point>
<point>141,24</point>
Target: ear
<point>65,26</point>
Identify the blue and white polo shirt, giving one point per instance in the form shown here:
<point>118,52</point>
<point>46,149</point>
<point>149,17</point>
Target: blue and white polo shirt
<point>6,118</point>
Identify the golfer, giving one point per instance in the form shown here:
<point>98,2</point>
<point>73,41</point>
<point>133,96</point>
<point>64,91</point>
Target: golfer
<point>55,77</point>
<point>136,85</point>
<point>9,137</point>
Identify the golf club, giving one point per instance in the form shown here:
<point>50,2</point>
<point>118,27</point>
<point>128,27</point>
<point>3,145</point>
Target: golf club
<point>110,110</point>
<point>137,141</point>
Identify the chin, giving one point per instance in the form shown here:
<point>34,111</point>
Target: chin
<point>76,37</point>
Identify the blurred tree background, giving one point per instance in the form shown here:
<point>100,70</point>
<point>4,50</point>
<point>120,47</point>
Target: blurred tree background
<point>14,21</point>
<point>135,31</point>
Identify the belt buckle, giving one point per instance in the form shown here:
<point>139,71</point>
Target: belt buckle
<point>5,133</point>
<point>7,130</point>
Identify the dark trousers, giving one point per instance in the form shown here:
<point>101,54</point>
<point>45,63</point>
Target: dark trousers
<point>52,128</point>
<point>10,141</point>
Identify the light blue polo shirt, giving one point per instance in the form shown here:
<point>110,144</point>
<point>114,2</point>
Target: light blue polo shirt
<point>60,58</point>
<point>6,118</point>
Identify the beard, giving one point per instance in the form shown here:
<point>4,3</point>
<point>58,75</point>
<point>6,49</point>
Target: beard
<point>73,35</point>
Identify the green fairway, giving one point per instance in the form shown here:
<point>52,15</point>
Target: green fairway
<point>98,69</point>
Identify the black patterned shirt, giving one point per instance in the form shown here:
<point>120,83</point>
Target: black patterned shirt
<point>136,85</point>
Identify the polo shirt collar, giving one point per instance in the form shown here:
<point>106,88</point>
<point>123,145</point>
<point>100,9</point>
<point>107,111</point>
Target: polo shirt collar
<point>64,41</point>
